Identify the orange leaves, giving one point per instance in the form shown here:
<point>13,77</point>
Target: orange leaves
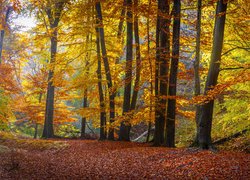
<point>76,159</point>
<point>7,80</point>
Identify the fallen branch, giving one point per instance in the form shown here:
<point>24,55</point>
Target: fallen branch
<point>143,134</point>
<point>221,141</point>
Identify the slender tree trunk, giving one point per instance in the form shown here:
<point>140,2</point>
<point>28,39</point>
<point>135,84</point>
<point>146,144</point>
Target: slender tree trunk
<point>3,32</point>
<point>197,67</point>
<point>121,41</point>
<point>36,124</point>
<point>85,94</point>
<point>164,56</point>
<point>121,21</point>
<point>171,111</point>
<point>158,134</point>
<point>54,18</point>
<point>125,126</point>
<point>107,70</point>
<point>36,130</point>
<point>138,60</point>
<point>85,105</point>
<point>151,74</point>
<point>101,96</point>
<point>48,131</point>
<point>205,122</point>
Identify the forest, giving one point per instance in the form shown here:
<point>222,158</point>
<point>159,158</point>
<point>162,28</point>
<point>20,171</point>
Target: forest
<point>125,89</point>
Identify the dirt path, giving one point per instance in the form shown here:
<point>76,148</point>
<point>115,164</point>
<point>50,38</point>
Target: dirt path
<point>115,160</point>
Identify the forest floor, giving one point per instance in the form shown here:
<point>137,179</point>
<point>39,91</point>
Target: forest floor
<point>90,159</point>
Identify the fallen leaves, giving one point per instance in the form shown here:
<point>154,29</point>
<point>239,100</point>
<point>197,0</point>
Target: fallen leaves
<point>123,160</point>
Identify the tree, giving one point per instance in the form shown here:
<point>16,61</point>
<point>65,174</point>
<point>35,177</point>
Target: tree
<point>100,90</point>
<point>171,111</point>
<point>196,65</point>
<point>125,126</point>
<point>3,24</point>
<point>138,59</point>
<point>162,58</point>
<point>85,100</point>
<point>107,69</point>
<point>53,12</point>
<point>206,115</point>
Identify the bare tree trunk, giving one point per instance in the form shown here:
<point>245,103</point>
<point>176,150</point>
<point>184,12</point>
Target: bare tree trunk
<point>121,41</point>
<point>138,59</point>
<point>85,104</point>
<point>164,56</point>
<point>54,18</point>
<point>85,94</point>
<point>158,133</point>
<point>3,32</point>
<point>107,70</point>
<point>36,129</point>
<point>125,126</point>
<point>197,67</point>
<point>36,124</point>
<point>171,111</point>
<point>206,116</point>
<point>151,74</point>
<point>101,96</point>
<point>48,131</point>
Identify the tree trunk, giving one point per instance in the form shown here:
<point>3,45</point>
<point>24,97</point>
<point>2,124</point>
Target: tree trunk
<point>158,136</point>
<point>121,41</point>
<point>170,123</point>
<point>197,67</point>
<point>151,74</point>
<point>163,60</point>
<point>205,122</point>
<point>107,70</point>
<point>85,104</point>
<point>138,60</point>
<point>101,96</point>
<point>3,32</point>
<point>54,18</point>
<point>85,95</point>
<point>36,129</point>
<point>48,131</point>
<point>125,126</point>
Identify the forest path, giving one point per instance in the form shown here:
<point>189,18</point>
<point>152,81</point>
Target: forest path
<point>89,159</point>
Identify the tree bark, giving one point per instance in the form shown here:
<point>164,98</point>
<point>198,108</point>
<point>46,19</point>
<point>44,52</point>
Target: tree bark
<point>36,131</point>
<point>171,111</point>
<point>125,126</point>
<point>158,133</point>
<point>48,131</point>
<point>54,18</point>
<point>85,94</point>
<point>205,122</point>
<point>138,60</point>
<point>164,56</point>
<point>100,90</point>
<point>107,70</point>
<point>2,33</point>
<point>197,67</point>
<point>85,104</point>
<point>151,74</point>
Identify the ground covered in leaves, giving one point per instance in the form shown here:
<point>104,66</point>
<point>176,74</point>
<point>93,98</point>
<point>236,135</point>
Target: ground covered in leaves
<point>89,159</point>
